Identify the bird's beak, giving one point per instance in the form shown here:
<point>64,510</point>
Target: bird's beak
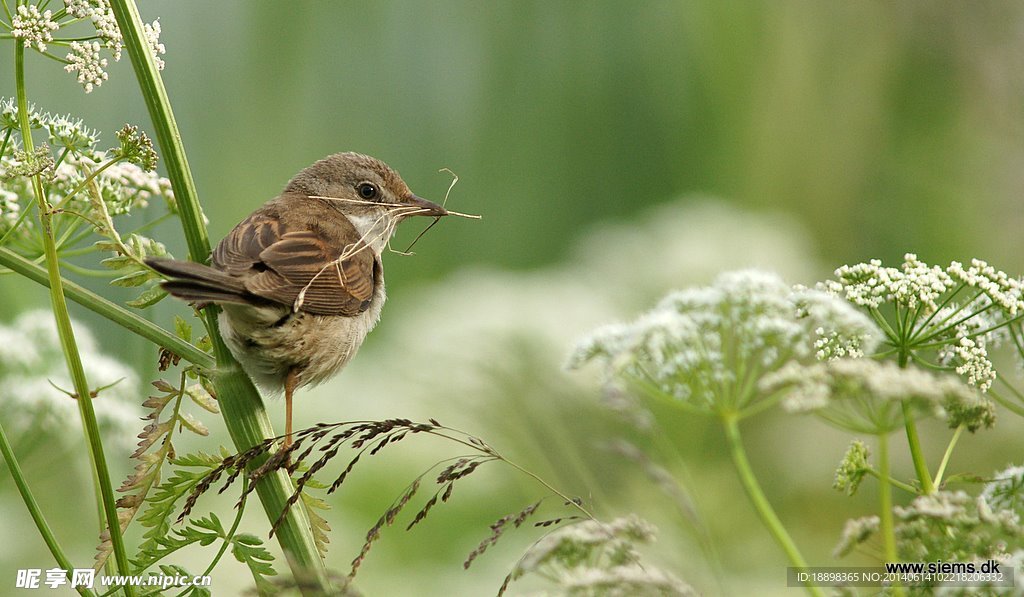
<point>432,209</point>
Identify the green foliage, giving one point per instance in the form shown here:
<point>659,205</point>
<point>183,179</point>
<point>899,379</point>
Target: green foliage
<point>249,550</point>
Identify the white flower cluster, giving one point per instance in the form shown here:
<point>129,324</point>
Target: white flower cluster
<point>870,284</point>
<point>9,115</point>
<point>951,525</point>
<point>960,325</point>
<point>970,360</point>
<point>1006,490</point>
<point>593,557</point>
<point>122,186</point>
<point>10,209</point>
<point>102,17</point>
<point>865,395</point>
<point>855,532</point>
<point>152,34</point>
<point>850,333</point>
<point>1004,291</point>
<point>71,133</point>
<point>84,57</point>
<point>709,346</point>
<point>32,364</point>
<point>33,27</point>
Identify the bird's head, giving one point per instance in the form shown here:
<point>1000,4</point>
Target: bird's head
<point>360,186</point>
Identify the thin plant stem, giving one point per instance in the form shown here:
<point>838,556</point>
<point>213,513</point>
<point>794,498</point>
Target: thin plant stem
<point>112,311</point>
<point>230,534</point>
<point>17,223</point>
<point>757,497</point>
<point>242,407</point>
<point>67,336</point>
<point>886,524</point>
<point>33,509</point>
<point>895,483</point>
<point>1004,401</point>
<point>949,452</point>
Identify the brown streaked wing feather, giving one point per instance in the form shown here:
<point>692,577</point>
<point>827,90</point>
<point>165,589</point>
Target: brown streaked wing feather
<point>241,249</point>
<point>305,272</point>
<point>277,256</point>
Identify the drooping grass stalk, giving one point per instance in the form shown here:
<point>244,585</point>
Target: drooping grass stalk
<point>241,405</point>
<point>33,509</point>
<point>67,334</point>
<point>757,497</point>
<point>112,311</point>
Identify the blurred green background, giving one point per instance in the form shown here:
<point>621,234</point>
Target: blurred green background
<point>616,150</point>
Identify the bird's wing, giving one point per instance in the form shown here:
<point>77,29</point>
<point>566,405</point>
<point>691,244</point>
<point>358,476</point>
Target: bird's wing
<point>303,267</point>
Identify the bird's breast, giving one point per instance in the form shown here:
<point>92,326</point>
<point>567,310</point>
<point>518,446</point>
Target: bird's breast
<point>269,341</point>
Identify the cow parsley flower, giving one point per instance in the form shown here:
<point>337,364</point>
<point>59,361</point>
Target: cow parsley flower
<point>871,285</point>
<point>970,360</point>
<point>596,558</point>
<point>84,57</point>
<point>10,209</point>
<point>855,532</point>
<point>951,526</point>
<point>70,133</point>
<point>1004,291</point>
<point>32,369</point>
<point>954,526</point>
<point>34,28</point>
<point>128,184</point>
<point>152,34</point>
<point>852,468</point>
<point>708,347</point>
<point>866,395</point>
<point>1006,490</point>
<point>948,317</point>
<point>102,17</point>
<point>9,115</point>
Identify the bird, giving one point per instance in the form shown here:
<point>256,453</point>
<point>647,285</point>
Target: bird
<point>300,281</point>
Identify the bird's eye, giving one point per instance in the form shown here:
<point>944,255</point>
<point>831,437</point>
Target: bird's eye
<point>367,190</point>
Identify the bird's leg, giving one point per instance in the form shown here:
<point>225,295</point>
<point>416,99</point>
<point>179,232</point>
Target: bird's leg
<point>289,388</point>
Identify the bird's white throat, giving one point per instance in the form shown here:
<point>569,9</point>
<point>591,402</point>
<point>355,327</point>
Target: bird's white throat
<point>374,229</point>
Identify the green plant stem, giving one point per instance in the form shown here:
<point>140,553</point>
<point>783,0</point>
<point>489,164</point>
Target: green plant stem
<point>67,335</point>
<point>241,405</point>
<point>900,484</point>
<point>112,311</point>
<point>757,497</point>
<point>949,452</point>
<point>33,509</point>
<point>1006,402</point>
<point>886,524</point>
<point>916,454</point>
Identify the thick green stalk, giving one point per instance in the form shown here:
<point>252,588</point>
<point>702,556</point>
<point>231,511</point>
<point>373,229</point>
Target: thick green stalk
<point>886,524</point>
<point>241,405</point>
<point>916,453</point>
<point>67,335</point>
<point>757,497</point>
<point>33,508</point>
<point>112,311</point>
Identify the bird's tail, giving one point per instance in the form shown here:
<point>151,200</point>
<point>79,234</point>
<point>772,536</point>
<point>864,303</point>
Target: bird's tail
<point>196,282</point>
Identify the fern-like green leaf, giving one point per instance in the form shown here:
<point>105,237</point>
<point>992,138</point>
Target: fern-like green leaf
<point>249,550</point>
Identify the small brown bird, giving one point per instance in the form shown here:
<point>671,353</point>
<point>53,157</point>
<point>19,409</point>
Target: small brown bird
<point>300,280</point>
